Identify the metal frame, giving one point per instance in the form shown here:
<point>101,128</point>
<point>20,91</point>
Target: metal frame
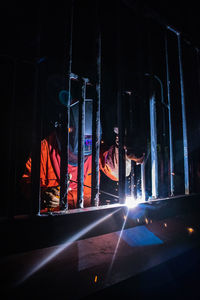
<point>171,155</point>
<point>184,121</point>
<point>81,145</point>
<point>35,176</point>
<point>154,156</point>
<point>96,125</point>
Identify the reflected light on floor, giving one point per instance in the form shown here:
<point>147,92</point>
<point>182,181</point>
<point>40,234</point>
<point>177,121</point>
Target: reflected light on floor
<point>62,247</point>
<point>116,248</point>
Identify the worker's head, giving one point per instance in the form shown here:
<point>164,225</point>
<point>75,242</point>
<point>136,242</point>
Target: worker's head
<point>74,121</point>
<point>61,96</point>
<point>73,130</point>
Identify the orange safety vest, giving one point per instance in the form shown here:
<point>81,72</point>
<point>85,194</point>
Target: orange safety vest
<point>50,178</point>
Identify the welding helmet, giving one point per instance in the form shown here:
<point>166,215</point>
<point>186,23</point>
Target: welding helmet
<point>63,96</point>
<point>73,134</point>
<point>73,131</point>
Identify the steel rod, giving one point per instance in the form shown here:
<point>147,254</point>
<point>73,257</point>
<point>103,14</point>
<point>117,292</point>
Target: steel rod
<point>100,191</point>
<point>64,159</point>
<point>96,134</point>
<point>81,146</point>
<point>11,181</point>
<point>185,139</point>
<point>143,182</point>
<point>64,141</point>
<point>171,155</point>
<point>120,113</point>
<point>36,149</point>
<point>154,156</point>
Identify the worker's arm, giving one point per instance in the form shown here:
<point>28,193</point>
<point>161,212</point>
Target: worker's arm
<point>110,162</point>
<point>49,191</point>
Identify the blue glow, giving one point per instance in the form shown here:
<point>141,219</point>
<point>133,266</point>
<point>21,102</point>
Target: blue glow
<point>88,141</point>
<point>139,236</point>
<point>140,211</point>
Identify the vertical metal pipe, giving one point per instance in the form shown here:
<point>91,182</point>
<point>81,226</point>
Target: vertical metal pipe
<point>185,139</point>
<point>131,132</point>
<point>96,118</point>
<point>171,156</point>
<point>81,146</point>
<point>64,157</point>
<point>132,179</point>
<point>38,107</point>
<point>198,68</point>
<point>36,148</point>
<point>154,156</point>
<point>11,181</point>
<point>120,112</point>
<point>153,125</point>
<point>122,153</point>
<point>143,183</point>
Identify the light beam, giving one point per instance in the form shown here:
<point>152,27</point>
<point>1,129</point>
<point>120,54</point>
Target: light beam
<point>117,246</point>
<point>62,247</point>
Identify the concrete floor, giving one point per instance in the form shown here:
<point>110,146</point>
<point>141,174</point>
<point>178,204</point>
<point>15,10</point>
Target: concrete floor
<point>84,267</point>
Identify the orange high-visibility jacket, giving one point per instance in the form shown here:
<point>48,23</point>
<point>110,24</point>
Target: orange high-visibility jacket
<point>50,170</point>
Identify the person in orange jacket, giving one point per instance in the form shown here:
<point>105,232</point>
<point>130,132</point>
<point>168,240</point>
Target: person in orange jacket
<point>50,163</point>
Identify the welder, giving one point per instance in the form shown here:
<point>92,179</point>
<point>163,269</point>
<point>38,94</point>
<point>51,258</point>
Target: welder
<point>50,162</point>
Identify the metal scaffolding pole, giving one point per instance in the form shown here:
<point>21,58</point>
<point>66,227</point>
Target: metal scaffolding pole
<point>64,157</point>
<point>36,148</point>
<point>122,153</point>
<point>37,123</point>
<point>96,126</point>
<point>64,141</point>
<point>171,155</point>
<point>185,139</point>
<point>120,115</point>
<point>143,183</point>
<point>11,203</point>
<point>184,126</point>
<point>154,156</point>
<point>81,145</point>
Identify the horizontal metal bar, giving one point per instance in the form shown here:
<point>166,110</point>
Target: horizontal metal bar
<point>172,29</point>
<point>17,238</point>
<point>100,191</point>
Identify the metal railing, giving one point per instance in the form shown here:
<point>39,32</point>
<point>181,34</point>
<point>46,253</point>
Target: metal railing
<point>96,135</point>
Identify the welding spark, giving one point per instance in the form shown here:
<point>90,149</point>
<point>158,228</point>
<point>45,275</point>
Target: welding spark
<point>190,230</point>
<point>132,202</point>
<point>63,246</point>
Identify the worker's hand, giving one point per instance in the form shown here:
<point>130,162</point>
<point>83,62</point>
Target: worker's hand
<point>138,160</point>
<point>50,196</point>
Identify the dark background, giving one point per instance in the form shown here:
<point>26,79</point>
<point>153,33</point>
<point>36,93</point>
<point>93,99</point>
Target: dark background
<point>38,33</point>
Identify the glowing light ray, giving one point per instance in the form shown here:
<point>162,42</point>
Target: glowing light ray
<point>132,202</point>
<point>63,247</point>
<point>117,246</point>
